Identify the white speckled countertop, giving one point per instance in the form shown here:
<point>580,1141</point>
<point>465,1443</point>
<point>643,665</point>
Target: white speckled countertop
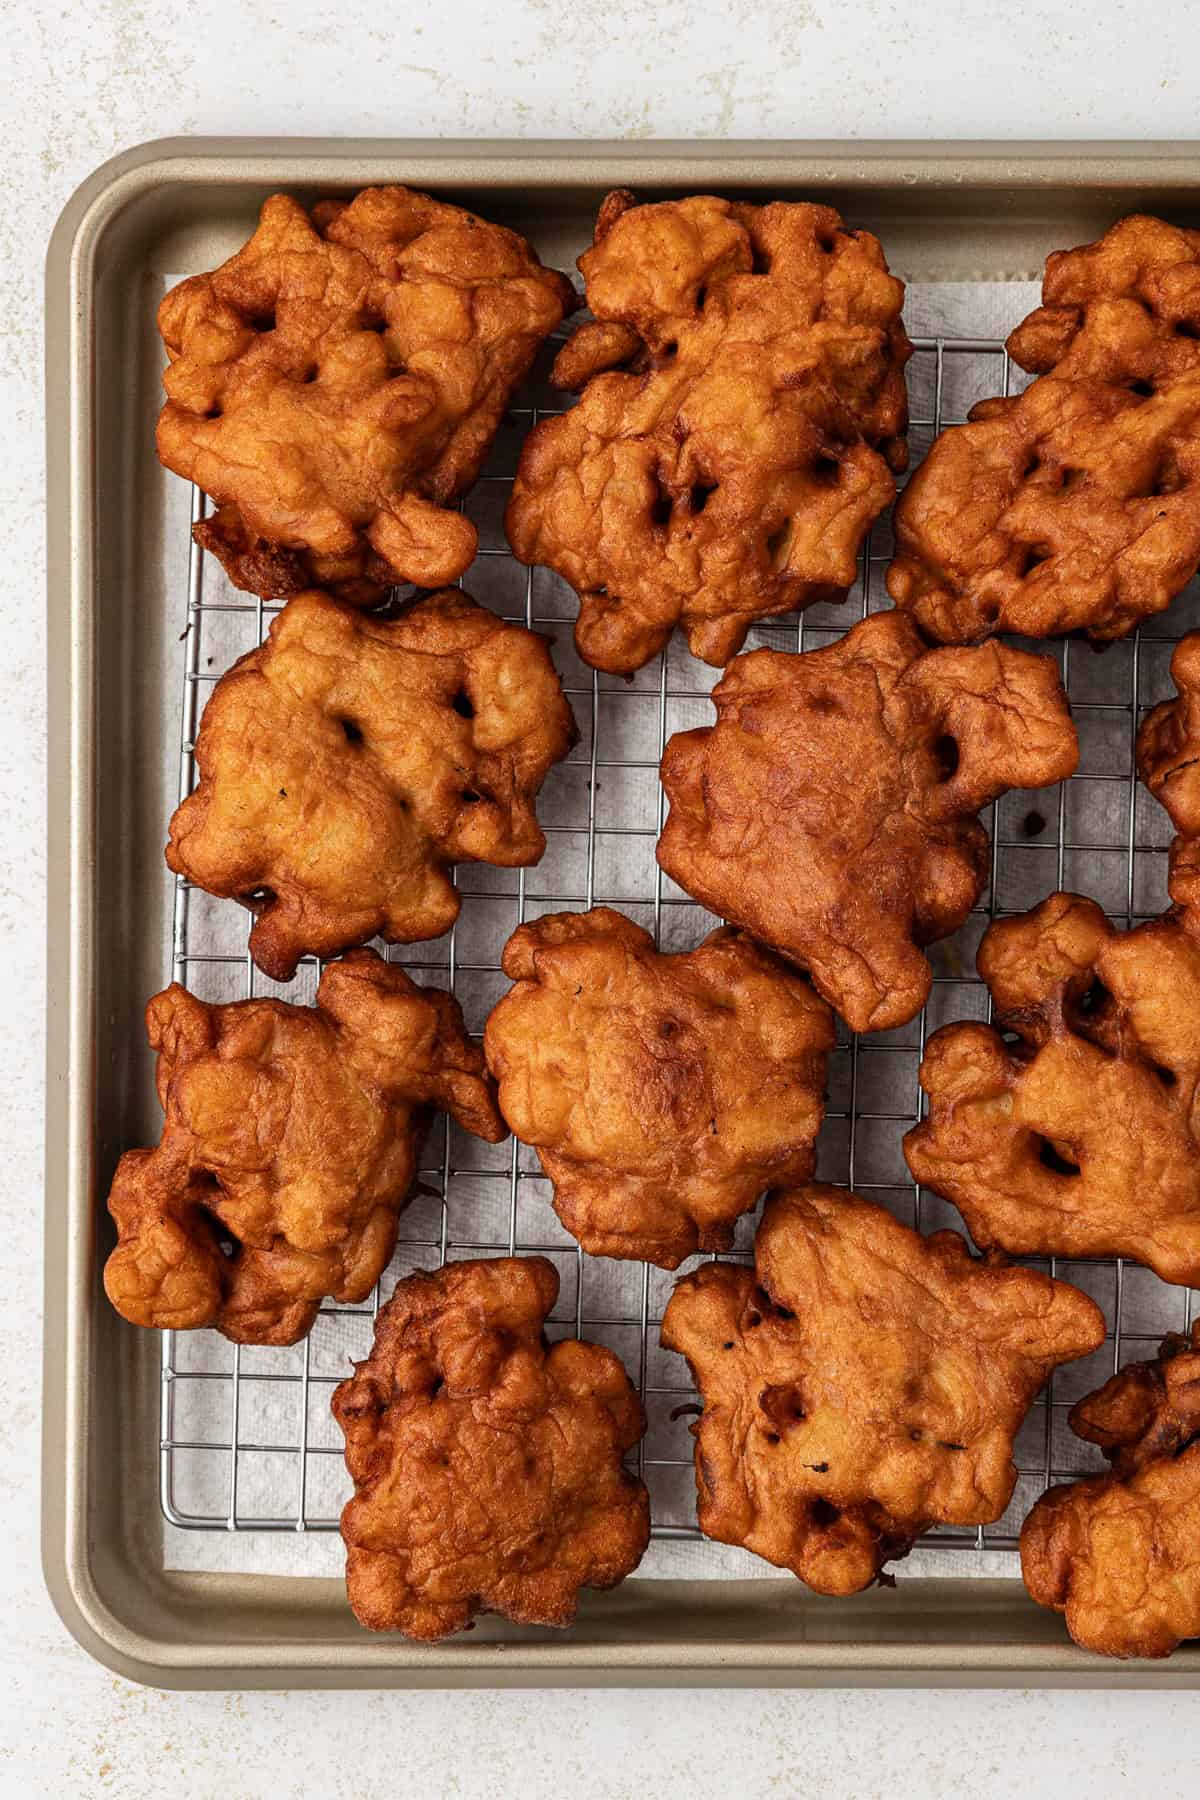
<point>90,78</point>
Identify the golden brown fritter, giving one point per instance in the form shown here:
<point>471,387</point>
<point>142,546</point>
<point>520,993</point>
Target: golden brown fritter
<point>866,1386</point>
<point>831,809</point>
<point>1078,1137</point>
<point>1074,506</point>
<point>291,1132</point>
<point>733,468</point>
<point>1119,1554</point>
<point>351,759</point>
<point>337,383</point>
<point>1124,308</point>
<point>486,1463</point>
<point>662,1093</point>
<point>1168,753</point>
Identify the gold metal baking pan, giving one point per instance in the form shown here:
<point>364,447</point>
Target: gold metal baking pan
<point>952,212</point>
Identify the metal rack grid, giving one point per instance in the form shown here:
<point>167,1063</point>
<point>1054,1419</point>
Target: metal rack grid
<point>246,1442</point>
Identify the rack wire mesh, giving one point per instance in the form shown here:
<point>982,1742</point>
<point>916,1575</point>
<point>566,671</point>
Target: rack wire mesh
<point>247,1442</point>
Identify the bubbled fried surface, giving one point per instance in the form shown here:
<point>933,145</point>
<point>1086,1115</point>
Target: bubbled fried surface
<point>351,759</point>
<point>1119,1554</point>
<point>831,809</point>
<point>1124,308</point>
<point>1168,753</point>
<point>867,1385</point>
<point>292,1131</point>
<point>1147,1410</point>
<point>339,381</point>
<point>662,1093</point>
<point>487,1465</point>
<point>1079,1135</point>
<point>732,468</point>
<point>1074,506</point>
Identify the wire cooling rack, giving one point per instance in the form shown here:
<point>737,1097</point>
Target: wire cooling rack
<point>247,1440</point>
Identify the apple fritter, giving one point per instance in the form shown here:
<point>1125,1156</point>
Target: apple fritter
<point>662,1093</point>
<point>1070,1127</point>
<point>831,810</point>
<point>864,1384</point>
<point>338,383</point>
<point>1075,505</point>
<point>1119,1554</point>
<point>487,1463</point>
<point>1168,752</point>
<point>352,758</point>
<point>288,1149</point>
<point>743,411</point>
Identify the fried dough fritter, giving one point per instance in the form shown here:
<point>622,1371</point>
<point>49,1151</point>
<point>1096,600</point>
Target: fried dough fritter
<point>662,1093</point>
<point>1124,308</point>
<point>1074,506</point>
<point>867,1385</point>
<point>1079,1138</point>
<point>487,1464</point>
<point>831,809</point>
<point>351,759</point>
<point>1119,1554</point>
<point>1168,755</point>
<point>732,469</point>
<point>337,383</point>
<point>292,1131</point>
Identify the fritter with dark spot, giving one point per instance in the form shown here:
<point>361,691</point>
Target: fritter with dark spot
<point>487,1464</point>
<point>831,810</point>
<point>1076,1135</point>
<point>744,409</point>
<point>338,383</point>
<point>1074,506</point>
<point>866,1385</point>
<point>351,759</point>
<point>662,1093</point>
<point>288,1149</point>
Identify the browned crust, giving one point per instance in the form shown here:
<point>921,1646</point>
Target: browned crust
<point>1119,1555</point>
<point>487,1465</point>
<point>663,1093</point>
<point>288,1149</point>
<point>743,412</point>
<point>864,1384</point>
<point>338,383</point>
<point>351,759</point>
<point>831,810</point>
<point>1075,1135</point>
<point>1074,506</point>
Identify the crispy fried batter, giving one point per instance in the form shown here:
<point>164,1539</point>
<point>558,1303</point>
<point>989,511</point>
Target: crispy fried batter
<point>348,761</point>
<point>732,471</point>
<point>340,380</point>
<point>1168,759</point>
<point>662,1093</point>
<point>831,808</point>
<point>486,1464</point>
<point>1080,1138</point>
<point>1124,308</point>
<point>1119,1554</point>
<point>292,1131</point>
<point>1074,506</point>
<point>1147,1410</point>
<point>867,1386</point>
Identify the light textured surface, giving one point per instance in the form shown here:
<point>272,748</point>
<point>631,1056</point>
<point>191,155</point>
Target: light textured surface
<point>85,81</point>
